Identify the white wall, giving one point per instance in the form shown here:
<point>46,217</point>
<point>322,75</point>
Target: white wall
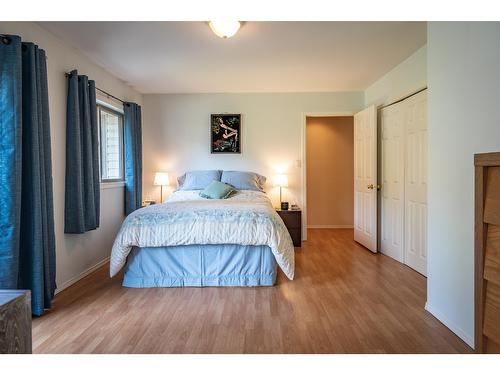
<point>74,253</point>
<point>176,133</point>
<point>464,119</point>
<point>406,78</point>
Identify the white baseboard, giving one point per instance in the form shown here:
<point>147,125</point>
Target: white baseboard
<point>452,326</point>
<point>88,271</point>
<point>330,226</point>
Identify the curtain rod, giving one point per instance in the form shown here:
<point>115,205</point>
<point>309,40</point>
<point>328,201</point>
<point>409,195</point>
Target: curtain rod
<point>104,92</point>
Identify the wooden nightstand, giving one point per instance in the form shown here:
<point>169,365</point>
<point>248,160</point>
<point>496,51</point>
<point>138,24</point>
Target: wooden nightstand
<point>293,222</point>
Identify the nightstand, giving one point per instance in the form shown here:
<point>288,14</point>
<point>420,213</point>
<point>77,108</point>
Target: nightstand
<point>293,222</point>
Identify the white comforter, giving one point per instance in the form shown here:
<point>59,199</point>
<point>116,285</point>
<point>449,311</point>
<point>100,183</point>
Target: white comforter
<point>247,218</point>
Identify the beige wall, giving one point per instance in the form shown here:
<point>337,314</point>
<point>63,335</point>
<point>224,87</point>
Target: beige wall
<point>330,171</point>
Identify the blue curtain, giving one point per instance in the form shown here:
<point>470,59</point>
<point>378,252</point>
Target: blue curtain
<point>10,159</point>
<point>133,157</point>
<point>27,259</point>
<point>82,193</point>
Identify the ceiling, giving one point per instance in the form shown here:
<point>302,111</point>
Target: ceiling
<point>186,57</point>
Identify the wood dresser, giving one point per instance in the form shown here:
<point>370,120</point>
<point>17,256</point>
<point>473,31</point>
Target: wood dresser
<point>15,321</point>
<point>487,253</point>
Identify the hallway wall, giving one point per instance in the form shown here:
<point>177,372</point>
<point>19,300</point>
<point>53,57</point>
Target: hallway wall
<point>330,171</point>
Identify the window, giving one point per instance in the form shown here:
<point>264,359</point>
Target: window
<point>111,146</point>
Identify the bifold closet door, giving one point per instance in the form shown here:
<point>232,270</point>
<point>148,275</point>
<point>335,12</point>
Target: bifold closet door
<point>416,183</point>
<point>403,193</point>
<point>392,200</point>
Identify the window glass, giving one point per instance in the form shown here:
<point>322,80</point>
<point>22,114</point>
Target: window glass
<point>111,144</point>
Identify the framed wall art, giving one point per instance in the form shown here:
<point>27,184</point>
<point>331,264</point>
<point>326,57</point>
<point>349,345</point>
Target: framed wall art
<point>225,133</point>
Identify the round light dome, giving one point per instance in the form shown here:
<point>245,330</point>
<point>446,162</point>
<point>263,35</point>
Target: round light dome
<point>224,29</point>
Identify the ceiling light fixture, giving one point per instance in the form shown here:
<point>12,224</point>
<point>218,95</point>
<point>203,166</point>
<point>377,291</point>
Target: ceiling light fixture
<point>225,29</point>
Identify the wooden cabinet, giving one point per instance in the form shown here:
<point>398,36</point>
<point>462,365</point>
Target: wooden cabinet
<point>487,253</point>
<point>15,321</point>
<point>293,222</point>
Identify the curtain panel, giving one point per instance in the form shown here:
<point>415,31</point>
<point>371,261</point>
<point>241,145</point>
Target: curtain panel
<point>10,159</point>
<point>27,253</point>
<point>133,157</point>
<point>82,184</point>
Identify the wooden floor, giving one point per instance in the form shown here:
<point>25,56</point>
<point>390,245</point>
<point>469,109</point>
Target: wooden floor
<point>344,299</point>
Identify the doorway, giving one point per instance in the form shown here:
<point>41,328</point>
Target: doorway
<point>329,171</point>
<point>390,216</point>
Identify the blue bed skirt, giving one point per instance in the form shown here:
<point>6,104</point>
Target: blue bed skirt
<point>200,265</point>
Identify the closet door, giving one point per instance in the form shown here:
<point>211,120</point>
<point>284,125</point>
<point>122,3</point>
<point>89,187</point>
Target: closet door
<point>392,175</point>
<point>415,253</point>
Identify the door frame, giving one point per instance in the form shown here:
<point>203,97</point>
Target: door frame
<point>303,150</point>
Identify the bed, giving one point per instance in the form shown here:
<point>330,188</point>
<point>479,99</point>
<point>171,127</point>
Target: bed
<point>193,241</point>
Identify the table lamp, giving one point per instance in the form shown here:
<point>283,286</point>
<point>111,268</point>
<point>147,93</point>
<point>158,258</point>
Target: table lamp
<point>161,179</point>
<point>281,180</point>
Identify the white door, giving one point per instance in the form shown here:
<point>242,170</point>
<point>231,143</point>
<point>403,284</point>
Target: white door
<point>365,178</point>
<point>415,249</point>
<point>392,189</point>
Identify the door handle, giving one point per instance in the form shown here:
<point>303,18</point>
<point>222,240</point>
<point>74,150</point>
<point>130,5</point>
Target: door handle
<point>370,186</point>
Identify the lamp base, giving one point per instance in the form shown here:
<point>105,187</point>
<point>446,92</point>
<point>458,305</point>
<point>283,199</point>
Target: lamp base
<point>284,206</point>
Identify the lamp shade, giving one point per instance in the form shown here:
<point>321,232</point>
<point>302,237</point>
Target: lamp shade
<point>161,179</point>
<point>281,180</point>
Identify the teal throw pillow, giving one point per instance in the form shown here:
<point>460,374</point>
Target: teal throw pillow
<point>217,190</point>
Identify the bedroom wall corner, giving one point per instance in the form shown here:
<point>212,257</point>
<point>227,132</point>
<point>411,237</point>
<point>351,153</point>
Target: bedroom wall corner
<point>463,117</point>
<point>75,254</point>
<point>407,77</point>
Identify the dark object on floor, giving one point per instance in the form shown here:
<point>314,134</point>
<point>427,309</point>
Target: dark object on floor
<point>15,322</point>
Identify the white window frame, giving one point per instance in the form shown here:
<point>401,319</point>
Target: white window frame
<point>103,106</point>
